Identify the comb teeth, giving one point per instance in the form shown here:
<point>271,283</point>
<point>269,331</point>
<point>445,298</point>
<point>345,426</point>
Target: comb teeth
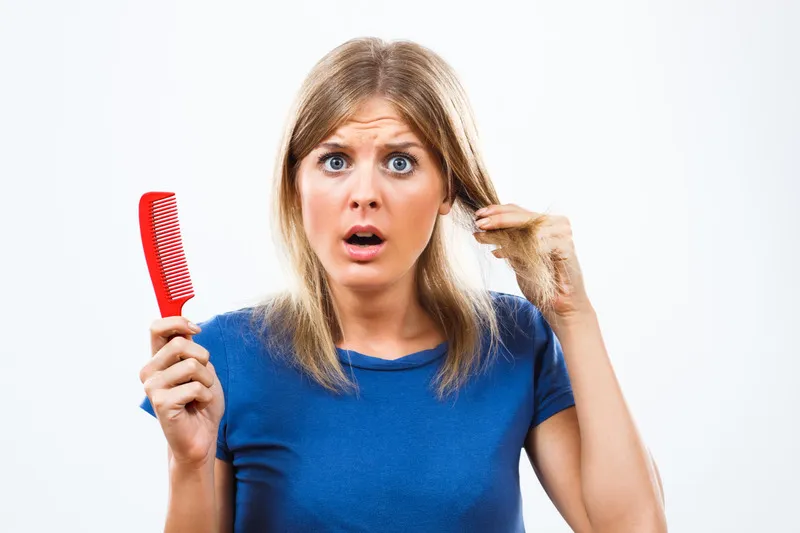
<point>169,248</point>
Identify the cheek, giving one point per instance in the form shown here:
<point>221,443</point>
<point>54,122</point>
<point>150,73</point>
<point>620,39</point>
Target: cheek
<point>418,214</point>
<point>318,215</point>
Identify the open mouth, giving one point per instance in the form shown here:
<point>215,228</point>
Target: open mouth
<point>364,239</point>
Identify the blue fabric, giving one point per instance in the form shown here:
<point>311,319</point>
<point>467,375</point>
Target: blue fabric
<point>394,459</point>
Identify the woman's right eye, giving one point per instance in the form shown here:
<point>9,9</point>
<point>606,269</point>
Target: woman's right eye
<point>333,163</point>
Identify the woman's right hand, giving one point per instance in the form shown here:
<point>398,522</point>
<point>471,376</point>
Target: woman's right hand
<point>184,391</point>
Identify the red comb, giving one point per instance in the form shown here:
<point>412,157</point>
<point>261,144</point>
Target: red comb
<point>163,250</point>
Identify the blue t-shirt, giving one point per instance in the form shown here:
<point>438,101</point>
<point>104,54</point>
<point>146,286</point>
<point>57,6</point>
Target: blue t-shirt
<point>394,459</point>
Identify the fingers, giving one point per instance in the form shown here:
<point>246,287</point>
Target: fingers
<point>553,232</point>
<point>508,216</point>
<point>176,378</point>
<point>496,209</point>
<point>178,374</point>
<point>163,329</point>
<point>182,372</point>
<point>552,227</point>
<point>550,242</point>
<point>557,243</point>
<point>511,215</point>
<point>174,351</point>
<point>164,400</point>
<point>543,233</point>
<point>507,219</point>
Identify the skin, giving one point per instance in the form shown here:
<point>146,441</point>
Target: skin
<point>589,458</point>
<point>366,182</point>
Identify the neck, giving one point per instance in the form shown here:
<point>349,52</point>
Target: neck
<point>386,315</point>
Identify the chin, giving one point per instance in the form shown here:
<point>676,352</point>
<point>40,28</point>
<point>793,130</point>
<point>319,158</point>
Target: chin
<point>362,277</point>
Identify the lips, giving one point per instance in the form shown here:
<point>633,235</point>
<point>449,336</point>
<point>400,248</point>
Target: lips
<point>363,242</point>
<point>364,229</point>
<point>363,253</point>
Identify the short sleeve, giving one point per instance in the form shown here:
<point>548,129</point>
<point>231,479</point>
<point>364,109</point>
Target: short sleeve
<point>211,338</point>
<point>552,390</point>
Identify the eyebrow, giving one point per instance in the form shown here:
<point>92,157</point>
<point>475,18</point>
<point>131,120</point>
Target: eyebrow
<point>388,146</point>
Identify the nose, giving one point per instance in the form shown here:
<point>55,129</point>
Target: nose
<point>365,193</point>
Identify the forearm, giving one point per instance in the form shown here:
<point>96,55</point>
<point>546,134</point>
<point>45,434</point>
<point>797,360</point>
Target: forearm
<point>192,505</point>
<point>619,484</point>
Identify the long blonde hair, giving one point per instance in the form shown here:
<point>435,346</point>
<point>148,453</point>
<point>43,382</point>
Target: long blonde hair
<point>302,323</point>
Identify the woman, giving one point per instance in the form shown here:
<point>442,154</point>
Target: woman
<point>382,392</point>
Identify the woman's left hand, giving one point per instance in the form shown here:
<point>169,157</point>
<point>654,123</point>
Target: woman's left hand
<point>555,238</point>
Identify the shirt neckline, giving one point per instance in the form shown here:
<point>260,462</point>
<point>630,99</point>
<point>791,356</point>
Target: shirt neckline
<point>412,360</point>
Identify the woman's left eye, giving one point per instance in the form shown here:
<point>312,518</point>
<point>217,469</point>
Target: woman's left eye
<point>401,164</point>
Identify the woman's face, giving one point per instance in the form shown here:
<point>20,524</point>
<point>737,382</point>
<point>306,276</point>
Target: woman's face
<point>372,171</point>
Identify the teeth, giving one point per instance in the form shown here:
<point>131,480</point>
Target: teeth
<point>364,234</point>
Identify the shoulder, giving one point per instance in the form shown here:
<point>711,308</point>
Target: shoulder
<point>229,332</point>
<point>522,326</point>
<point>237,325</point>
<point>515,312</point>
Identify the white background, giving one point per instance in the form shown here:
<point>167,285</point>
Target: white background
<point>667,131</point>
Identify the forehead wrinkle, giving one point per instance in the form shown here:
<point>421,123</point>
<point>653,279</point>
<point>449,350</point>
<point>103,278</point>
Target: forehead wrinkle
<point>395,136</point>
<point>361,128</point>
<point>376,119</point>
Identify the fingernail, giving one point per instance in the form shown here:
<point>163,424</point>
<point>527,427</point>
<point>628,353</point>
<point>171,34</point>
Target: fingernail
<point>194,327</point>
<point>480,212</point>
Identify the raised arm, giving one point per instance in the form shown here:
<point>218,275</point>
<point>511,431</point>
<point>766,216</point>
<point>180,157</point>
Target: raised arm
<point>590,458</point>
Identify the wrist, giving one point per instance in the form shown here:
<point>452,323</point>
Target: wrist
<point>577,320</point>
<point>193,468</point>
<point>183,475</point>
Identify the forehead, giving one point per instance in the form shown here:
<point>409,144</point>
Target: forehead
<point>374,119</point>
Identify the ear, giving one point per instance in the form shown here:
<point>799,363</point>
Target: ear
<point>445,206</point>
<point>450,190</point>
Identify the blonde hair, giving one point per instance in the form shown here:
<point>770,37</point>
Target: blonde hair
<point>302,323</point>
